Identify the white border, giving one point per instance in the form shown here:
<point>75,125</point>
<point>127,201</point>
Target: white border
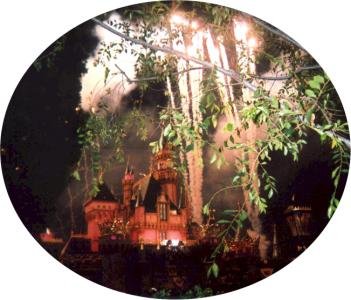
<point>28,27</point>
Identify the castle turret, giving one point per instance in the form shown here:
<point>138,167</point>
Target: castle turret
<point>127,183</point>
<point>164,171</point>
<point>98,210</point>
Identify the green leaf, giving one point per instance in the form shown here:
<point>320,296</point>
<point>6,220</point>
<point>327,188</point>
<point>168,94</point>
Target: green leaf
<point>224,222</point>
<point>171,134</point>
<point>334,143</point>
<point>310,93</point>
<point>107,72</point>
<point>213,270</point>
<point>270,194</point>
<point>177,141</point>
<point>220,162</point>
<point>206,209</point>
<point>235,179</point>
<point>229,212</point>
<point>327,127</point>
<point>230,127</point>
<point>243,215</point>
<point>213,158</point>
<point>334,203</point>
<point>309,115</point>
<point>262,206</point>
<point>319,79</point>
<point>314,84</point>
<point>167,130</point>
<point>178,116</point>
<point>214,121</point>
<point>189,148</point>
<point>258,93</point>
<point>335,172</point>
<point>275,103</point>
<point>76,175</point>
<point>252,196</point>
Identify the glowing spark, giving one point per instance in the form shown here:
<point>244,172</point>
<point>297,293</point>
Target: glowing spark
<point>219,58</point>
<point>170,92</point>
<point>194,25</point>
<point>252,43</point>
<point>241,30</point>
<point>244,50</point>
<point>179,20</point>
<point>189,87</point>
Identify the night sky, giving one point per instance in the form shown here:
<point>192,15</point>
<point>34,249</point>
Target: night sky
<point>38,140</point>
<point>40,149</point>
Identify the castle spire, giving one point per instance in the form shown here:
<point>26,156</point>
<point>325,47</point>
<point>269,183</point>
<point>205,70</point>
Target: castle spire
<point>127,167</point>
<point>127,183</point>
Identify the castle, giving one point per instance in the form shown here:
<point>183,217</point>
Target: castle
<point>153,210</point>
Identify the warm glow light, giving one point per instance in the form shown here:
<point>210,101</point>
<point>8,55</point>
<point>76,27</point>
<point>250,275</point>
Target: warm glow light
<point>48,231</point>
<point>175,243</point>
<point>179,20</point>
<point>194,25</point>
<point>252,43</point>
<point>241,30</point>
<point>220,39</point>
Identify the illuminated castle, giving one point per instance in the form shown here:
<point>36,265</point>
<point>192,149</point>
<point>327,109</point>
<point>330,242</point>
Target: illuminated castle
<point>152,211</point>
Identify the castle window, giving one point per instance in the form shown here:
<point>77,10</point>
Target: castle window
<point>163,212</point>
<point>163,236</point>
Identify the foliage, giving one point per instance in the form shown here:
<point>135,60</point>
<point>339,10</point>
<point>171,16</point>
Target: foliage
<point>102,131</point>
<point>47,59</point>
<point>195,292</point>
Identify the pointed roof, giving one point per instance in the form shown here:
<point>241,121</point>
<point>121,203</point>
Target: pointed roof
<point>147,190</point>
<point>104,194</point>
<point>129,169</point>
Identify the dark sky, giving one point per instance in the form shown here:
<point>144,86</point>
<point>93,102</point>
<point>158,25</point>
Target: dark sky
<point>38,137</point>
<point>39,144</point>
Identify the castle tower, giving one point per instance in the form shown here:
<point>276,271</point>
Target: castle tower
<point>98,210</point>
<point>164,171</point>
<point>127,183</point>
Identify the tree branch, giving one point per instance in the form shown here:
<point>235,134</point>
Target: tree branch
<point>278,33</point>
<point>130,80</point>
<point>286,77</point>
<point>207,65</point>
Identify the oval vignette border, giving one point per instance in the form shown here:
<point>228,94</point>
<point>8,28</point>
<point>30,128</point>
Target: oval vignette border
<point>41,283</point>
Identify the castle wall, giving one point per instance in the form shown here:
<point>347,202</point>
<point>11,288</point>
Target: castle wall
<point>175,235</point>
<point>96,213</point>
<point>149,236</point>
